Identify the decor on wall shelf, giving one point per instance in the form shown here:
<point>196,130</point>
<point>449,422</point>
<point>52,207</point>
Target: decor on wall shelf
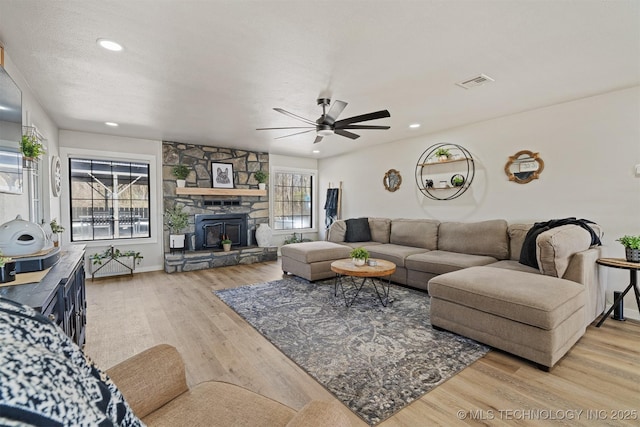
<point>445,171</point>
<point>263,235</point>
<point>524,167</point>
<point>392,180</point>
<point>222,175</point>
<point>181,172</point>
<point>261,176</point>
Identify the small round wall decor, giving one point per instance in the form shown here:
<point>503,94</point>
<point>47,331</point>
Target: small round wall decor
<point>392,180</point>
<point>56,176</point>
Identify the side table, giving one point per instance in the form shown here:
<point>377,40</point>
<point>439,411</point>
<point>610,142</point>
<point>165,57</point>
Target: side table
<point>633,268</point>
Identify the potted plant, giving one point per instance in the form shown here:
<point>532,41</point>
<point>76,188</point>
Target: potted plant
<point>261,176</point>
<point>632,247</point>
<point>457,180</point>
<point>56,229</point>
<point>7,269</point>
<point>226,243</point>
<point>359,256</point>
<point>177,220</point>
<point>181,172</point>
<point>443,154</point>
<point>31,149</point>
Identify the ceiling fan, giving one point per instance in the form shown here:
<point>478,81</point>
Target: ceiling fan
<point>328,124</point>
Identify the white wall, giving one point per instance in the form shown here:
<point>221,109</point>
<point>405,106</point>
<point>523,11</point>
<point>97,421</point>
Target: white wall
<point>82,144</point>
<point>589,146</point>
<point>32,115</point>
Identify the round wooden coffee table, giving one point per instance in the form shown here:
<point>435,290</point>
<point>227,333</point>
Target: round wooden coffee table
<point>346,268</point>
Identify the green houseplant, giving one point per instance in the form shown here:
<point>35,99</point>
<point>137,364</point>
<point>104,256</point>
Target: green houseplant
<point>55,229</point>
<point>632,247</point>
<point>261,176</point>
<point>442,154</point>
<point>177,220</point>
<point>181,172</point>
<point>226,243</point>
<point>31,147</point>
<point>359,255</point>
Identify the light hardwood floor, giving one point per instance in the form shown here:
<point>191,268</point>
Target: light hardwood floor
<point>597,382</point>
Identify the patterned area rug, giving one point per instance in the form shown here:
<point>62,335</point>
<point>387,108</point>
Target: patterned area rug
<point>375,359</point>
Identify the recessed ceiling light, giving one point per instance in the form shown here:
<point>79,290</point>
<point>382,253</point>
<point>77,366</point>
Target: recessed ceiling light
<point>112,124</point>
<point>414,125</point>
<point>316,151</point>
<point>109,45</point>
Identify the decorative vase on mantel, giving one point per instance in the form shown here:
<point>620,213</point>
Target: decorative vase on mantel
<point>263,235</point>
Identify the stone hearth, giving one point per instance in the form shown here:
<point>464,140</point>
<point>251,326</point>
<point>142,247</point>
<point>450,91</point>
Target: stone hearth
<point>202,260</point>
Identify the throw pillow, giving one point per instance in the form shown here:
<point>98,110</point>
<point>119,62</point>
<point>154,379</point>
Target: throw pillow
<point>46,379</point>
<point>357,230</point>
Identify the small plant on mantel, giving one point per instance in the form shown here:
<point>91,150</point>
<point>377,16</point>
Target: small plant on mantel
<point>261,176</point>
<point>181,172</point>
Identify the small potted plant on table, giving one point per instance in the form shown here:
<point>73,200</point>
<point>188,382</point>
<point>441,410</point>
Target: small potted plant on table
<point>181,172</point>
<point>359,256</point>
<point>632,247</point>
<point>56,229</point>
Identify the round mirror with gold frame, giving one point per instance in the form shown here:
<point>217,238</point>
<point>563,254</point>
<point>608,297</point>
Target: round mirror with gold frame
<point>392,180</point>
<point>524,166</point>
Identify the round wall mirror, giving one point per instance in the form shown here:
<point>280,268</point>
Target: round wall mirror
<point>392,180</point>
<point>524,166</point>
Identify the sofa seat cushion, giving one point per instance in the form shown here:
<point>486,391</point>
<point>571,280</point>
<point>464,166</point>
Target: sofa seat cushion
<point>532,299</point>
<point>360,244</point>
<point>509,264</point>
<point>309,252</point>
<point>394,253</point>
<point>441,262</point>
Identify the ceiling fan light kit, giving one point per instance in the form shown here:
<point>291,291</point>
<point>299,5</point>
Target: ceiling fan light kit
<point>328,124</point>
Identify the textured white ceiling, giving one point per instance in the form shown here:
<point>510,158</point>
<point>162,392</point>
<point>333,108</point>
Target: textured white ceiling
<point>210,72</point>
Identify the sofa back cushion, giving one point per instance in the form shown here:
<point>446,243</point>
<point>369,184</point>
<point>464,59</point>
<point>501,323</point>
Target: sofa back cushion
<point>357,230</point>
<point>337,231</point>
<point>418,233</point>
<point>556,247</point>
<point>380,229</point>
<point>517,233</point>
<point>475,238</point>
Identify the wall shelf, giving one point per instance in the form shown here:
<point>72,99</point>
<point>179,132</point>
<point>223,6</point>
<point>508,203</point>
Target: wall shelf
<point>197,191</point>
<point>430,172</point>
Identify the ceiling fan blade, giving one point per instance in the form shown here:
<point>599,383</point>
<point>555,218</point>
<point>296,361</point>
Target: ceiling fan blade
<point>334,112</point>
<point>347,134</point>
<point>365,127</point>
<point>318,139</point>
<point>289,127</point>
<point>293,134</point>
<point>362,118</point>
<point>295,116</point>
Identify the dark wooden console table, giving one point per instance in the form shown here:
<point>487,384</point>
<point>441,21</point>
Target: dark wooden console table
<point>60,295</point>
<point>633,268</point>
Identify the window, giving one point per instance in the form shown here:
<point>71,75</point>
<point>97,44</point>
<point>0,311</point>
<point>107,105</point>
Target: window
<point>109,199</point>
<point>293,199</point>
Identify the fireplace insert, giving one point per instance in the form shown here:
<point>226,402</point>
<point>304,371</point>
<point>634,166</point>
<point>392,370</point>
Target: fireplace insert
<point>210,229</point>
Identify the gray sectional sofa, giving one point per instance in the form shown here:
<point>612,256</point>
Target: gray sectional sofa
<point>478,287</point>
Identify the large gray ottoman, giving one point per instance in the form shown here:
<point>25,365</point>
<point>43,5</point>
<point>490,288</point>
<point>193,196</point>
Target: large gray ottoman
<point>533,316</point>
<point>312,260</point>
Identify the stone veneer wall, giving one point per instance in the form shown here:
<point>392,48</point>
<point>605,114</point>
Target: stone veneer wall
<point>199,158</point>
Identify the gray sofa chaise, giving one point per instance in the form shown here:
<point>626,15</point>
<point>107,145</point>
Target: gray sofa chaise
<point>477,285</point>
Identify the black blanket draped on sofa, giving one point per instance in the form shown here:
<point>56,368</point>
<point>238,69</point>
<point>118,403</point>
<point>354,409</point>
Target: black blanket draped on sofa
<point>528,253</point>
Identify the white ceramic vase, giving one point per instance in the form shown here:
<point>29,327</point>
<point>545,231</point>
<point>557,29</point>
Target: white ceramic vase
<point>263,235</point>
<point>262,186</point>
<point>181,182</point>
<point>358,262</point>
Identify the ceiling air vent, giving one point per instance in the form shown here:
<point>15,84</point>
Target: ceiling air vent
<point>475,81</point>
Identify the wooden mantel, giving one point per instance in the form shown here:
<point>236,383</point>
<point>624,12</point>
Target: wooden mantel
<point>197,191</point>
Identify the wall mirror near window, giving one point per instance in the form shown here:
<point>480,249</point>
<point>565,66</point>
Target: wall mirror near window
<point>10,135</point>
<point>524,167</point>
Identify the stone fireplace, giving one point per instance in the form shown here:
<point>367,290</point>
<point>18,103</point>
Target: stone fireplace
<point>210,229</point>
